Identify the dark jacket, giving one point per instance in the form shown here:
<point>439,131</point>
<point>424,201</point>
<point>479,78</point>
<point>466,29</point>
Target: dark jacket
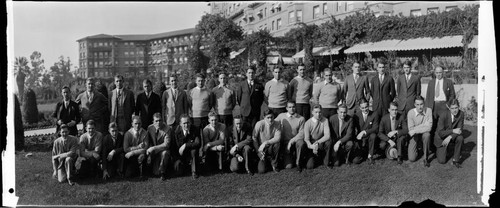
<point>250,100</point>
<point>385,126</point>
<point>147,107</point>
<point>66,115</point>
<point>382,93</point>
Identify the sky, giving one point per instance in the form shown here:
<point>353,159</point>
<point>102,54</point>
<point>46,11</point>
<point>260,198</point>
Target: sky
<point>52,28</point>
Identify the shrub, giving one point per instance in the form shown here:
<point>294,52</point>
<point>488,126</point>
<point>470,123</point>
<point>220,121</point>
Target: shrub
<point>18,123</point>
<point>30,108</point>
<point>471,110</point>
<point>159,88</point>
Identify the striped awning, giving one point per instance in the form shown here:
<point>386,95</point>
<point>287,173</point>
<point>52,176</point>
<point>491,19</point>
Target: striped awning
<point>473,43</point>
<point>274,60</point>
<point>320,51</point>
<point>233,54</point>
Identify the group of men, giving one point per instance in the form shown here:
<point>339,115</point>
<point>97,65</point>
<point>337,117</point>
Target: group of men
<point>196,129</point>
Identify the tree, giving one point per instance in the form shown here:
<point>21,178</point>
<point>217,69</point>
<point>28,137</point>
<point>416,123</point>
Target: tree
<point>257,45</point>
<point>37,67</point>
<point>18,125</point>
<point>30,108</point>
<point>60,73</point>
<point>305,35</point>
<point>21,69</point>
<point>198,61</point>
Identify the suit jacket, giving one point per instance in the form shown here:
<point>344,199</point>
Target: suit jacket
<point>250,100</point>
<point>128,103</point>
<point>192,140</point>
<point>147,107</point>
<point>96,110</point>
<point>172,109</point>
<point>66,115</point>
<point>347,128</point>
<point>370,125</point>
<point>108,146</point>
<point>382,93</point>
<point>232,138</point>
<point>408,91</point>
<point>355,91</point>
<point>445,126</point>
<point>448,89</point>
<point>163,138</point>
<point>385,126</point>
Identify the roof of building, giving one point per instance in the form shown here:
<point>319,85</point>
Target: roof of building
<point>142,37</point>
<point>99,36</point>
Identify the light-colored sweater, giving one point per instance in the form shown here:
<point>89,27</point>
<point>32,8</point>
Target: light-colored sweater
<point>292,127</point>
<point>201,102</point>
<point>300,90</point>
<point>276,93</point>
<point>420,123</point>
<point>329,94</point>
<point>315,130</point>
<point>225,100</point>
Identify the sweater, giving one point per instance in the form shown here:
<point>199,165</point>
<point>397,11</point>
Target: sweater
<point>276,93</point>
<point>420,123</point>
<point>266,132</point>
<point>225,100</point>
<point>300,90</point>
<point>329,94</point>
<point>292,127</point>
<point>201,102</point>
<point>316,130</point>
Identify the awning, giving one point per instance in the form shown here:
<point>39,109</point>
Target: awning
<point>233,54</point>
<point>275,60</point>
<point>320,51</point>
<point>164,50</point>
<point>473,43</point>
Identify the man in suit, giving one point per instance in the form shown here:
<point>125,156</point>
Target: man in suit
<point>419,127</point>
<point>122,105</point>
<point>383,90</point>
<point>174,103</point>
<point>393,129</point>
<point>135,145</point>
<point>317,139</point>
<point>356,87</point>
<point>213,141</point>
<point>225,100</point>
<point>275,92</point>
<point>366,125</point>
<point>300,91</point>
<point>250,95</point>
<point>449,129</point>
<point>202,100</point>
<point>267,141</point>
<point>90,151</point>
<point>93,105</point>
<point>112,153</point>
<point>408,87</point>
<point>147,104</point>
<point>158,143</point>
<point>239,143</point>
<point>187,143</point>
<point>439,92</point>
<point>342,133</point>
<point>64,152</point>
<point>67,112</point>
<point>292,130</point>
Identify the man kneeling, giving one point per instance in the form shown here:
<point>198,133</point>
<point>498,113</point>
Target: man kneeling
<point>213,142</point>
<point>158,152</point>
<point>239,141</point>
<point>90,151</point>
<point>63,155</point>
<point>266,139</point>
<point>135,145</point>
<point>317,139</point>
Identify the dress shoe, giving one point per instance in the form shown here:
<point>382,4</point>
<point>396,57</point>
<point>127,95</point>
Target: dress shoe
<point>400,160</point>
<point>426,163</point>
<point>249,172</point>
<point>70,182</point>
<point>348,163</point>
<point>275,169</point>
<point>336,163</point>
<point>456,164</point>
<point>371,161</point>
<point>298,168</point>
<point>163,177</point>
<point>194,175</point>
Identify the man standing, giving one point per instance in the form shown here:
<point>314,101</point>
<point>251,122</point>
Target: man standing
<point>267,141</point>
<point>383,90</point>
<point>276,93</point>
<point>211,81</point>
<point>317,138</point>
<point>342,133</point>
<point>408,87</point>
<point>187,144</point>
<point>449,129</point>
<point>419,127</point>
<point>93,105</point>
<point>225,100</point>
<point>112,153</point>
<point>292,129</point>
<point>174,103</point>
<point>90,152</point>
<point>239,139</point>
<point>250,95</point>
<point>329,94</point>
<point>366,125</point>
<point>300,91</point>
<point>393,129</point>
<point>122,105</point>
<point>202,100</point>
<point>135,145</point>
<point>67,112</point>
<point>439,92</point>
<point>355,87</point>
<point>147,104</point>
<point>213,141</point>
<point>158,143</point>
<point>63,155</point>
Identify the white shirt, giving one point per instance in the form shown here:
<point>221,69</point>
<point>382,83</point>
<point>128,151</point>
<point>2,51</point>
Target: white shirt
<point>314,120</point>
<point>364,116</point>
<point>441,96</point>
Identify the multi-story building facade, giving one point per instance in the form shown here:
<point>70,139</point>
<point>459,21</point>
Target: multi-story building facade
<point>280,17</point>
<point>106,55</point>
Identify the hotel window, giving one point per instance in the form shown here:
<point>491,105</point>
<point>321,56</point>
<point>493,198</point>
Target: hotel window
<point>132,53</point>
<point>272,26</point>
<point>95,44</point>
<point>126,43</point>
<point>339,6</point>
<point>260,14</point>
<point>126,63</point>
<point>325,9</point>
<point>116,63</point>
<point>101,55</point>
<point>265,12</point>
<point>131,43</point>
<point>100,44</point>
<point>278,24</point>
<point>132,63</point>
<point>350,6</point>
<point>449,8</point>
<point>432,10</point>
<point>416,12</point>
<point>126,53</point>
<point>291,17</point>
<point>101,63</point>
<point>299,16</point>
<point>315,12</point>
<point>105,43</point>
<point>105,54</point>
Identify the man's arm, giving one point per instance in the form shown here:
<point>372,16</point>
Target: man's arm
<point>277,134</point>
<point>326,132</point>
<point>291,88</point>
<point>137,107</point>
<point>404,127</point>
<point>452,91</point>
<point>164,109</point>
<point>256,136</point>
<point>54,114</point>
<point>349,133</point>
<point>426,125</point>
<point>374,128</point>
<point>441,131</point>
<point>300,133</point>
<point>381,130</point>
<point>119,143</point>
<point>392,89</point>
<point>419,87</point>
<point>78,117</point>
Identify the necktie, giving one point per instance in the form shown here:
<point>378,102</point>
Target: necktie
<point>137,136</point>
<point>174,92</point>
<point>340,127</point>
<point>90,97</point>
<point>393,124</point>
<point>381,78</point>
<point>117,104</point>
<point>355,79</point>
<point>437,88</point>
<point>156,135</point>
<point>452,118</point>
<point>364,117</point>
<point>407,78</point>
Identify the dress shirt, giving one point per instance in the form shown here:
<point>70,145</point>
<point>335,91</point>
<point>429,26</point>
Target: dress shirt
<point>439,87</point>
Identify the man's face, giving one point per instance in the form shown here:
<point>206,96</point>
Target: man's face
<point>147,87</point>
<point>250,74</point>
<point>342,113</point>
<point>269,118</point>
<point>136,124</point>
<point>355,68</point>
<point>185,124</point>
<point>173,82</point>
<point>454,110</point>
<point>200,82</point>
<point>113,132</point>
<point>301,70</point>
<point>212,120</point>
<point>91,129</point>
<point>66,94</point>
<point>439,73</point>
<point>223,79</point>
<point>328,76</point>
<point>238,123</point>
<point>419,105</point>
<point>119,82</point>
<point>393,111</point>
<point>290,108</point>
<point>406,68</point>
<point>363,107</point>
<point>90,86</point>
<point>380,68</point>
<point>316,113</point>
<point>64,132</point>
<point>277,73</point>
<point>157,122</point>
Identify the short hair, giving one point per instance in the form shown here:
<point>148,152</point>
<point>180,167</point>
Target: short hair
<point>222,73</point>
<point>317,106</point>
<point>407,62</point>
<point>343,105</point>
<point>112,125</point>
<point>90,79</point>
<point>327,69</point>
<point>395,104</point>
<point>453,101</point>
<point>147,81</point>
<point>292,102</point>
<point>356,62</point>
<point>250,68</point>
<point>63,126</point>
<point>362,100</point>
<point>237,117</point>
<point>199,75</point>
<point>419,97</point>
<point>438,67</point>
<point>381,62</point>
<point>184,116</point>
<point>65,87</point>
<point>212,114</point>
<point>136,118</point>
<point>119,76</point>
<point>268,111</point>
<point>157,115</point>
<point>90,122</point>
<point>279,68</point>
<point>172,76</point>
<point>301,64</point>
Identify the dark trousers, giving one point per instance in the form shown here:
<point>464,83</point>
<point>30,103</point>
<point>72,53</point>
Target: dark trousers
<point>366,143</point>
<point>200,122</point>
<point>158,162</point>
<point>252,118</point>
<point>190,156</point>
<point>89,168</point>
<point>304,110</point>
<point>324,152</point>
<point>400,143</point>
<point>295,151</point>
<point>439,107</point>
<point>328,112</point>
<point>271,153</point>
<point>344,151</point>
<point>115,165</point>
<point>212,159</point>
<point>441,151</point>
<point>226,120</point>
<point>277,111</point>
<point>133,165</point>
<point>235,165</point>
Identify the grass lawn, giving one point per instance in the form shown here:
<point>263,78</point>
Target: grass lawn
<point>384,183</point>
